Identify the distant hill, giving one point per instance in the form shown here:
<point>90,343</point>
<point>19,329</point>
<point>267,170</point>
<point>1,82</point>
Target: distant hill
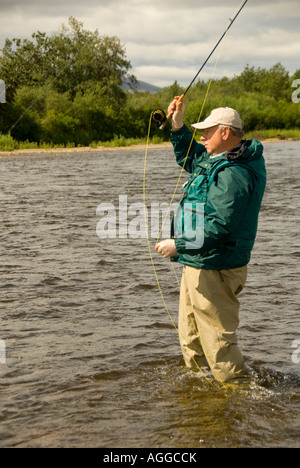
<point>141,87</point>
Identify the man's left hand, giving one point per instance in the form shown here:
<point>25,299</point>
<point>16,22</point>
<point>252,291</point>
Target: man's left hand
<point>167,248</point>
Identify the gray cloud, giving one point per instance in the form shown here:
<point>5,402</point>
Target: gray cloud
<point>169,39</point>
<point>44,7</point>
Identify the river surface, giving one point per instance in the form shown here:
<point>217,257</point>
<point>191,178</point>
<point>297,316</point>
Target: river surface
<point>88,354</point>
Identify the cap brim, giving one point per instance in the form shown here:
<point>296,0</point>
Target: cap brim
<point>204,125</point>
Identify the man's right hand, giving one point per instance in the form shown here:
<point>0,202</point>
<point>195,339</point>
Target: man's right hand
<point>177,108</point>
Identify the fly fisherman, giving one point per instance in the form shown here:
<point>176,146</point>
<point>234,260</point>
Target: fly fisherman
<point>228,179</point>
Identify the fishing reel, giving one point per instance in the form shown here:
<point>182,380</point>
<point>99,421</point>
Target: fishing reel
<point>159,116</point>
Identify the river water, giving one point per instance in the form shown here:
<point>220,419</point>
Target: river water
<point>89,355</point>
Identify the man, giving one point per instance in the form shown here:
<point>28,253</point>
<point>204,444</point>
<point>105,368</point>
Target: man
<point>228,179</point>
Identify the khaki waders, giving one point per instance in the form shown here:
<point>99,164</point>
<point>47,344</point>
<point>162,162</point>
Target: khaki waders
<point>209,318</point>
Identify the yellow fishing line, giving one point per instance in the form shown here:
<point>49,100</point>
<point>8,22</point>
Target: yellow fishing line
<point>150,252</point>
<point>194,133</point>
<point>172,199</point>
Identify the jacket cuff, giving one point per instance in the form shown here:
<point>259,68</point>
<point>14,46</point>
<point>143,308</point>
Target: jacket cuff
<point>180,131</point>
<point>180,246</point>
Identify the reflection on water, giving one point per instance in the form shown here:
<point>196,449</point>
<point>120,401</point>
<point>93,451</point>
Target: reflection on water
<point>92,358</point>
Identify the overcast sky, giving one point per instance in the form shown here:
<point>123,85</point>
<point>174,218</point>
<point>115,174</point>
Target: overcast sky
<point>168,40</point>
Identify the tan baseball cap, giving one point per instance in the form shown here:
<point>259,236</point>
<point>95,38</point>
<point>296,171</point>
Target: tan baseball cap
<point>221,116</point>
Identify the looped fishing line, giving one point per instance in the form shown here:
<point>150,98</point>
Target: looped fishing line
<point>172,199</point>
<point>150,252</point>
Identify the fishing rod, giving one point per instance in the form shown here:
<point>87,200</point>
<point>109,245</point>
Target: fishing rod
<point>158,115</point>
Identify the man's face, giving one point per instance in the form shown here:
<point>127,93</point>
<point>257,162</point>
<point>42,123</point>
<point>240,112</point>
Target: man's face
<point>213,140</point>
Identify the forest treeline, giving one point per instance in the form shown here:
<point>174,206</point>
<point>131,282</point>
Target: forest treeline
<point>66,89</point>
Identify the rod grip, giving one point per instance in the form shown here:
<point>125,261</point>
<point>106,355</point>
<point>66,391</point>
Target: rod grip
<point>169,116</point>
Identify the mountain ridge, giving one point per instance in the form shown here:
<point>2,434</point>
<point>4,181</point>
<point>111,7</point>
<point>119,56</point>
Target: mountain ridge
<point>141,87</point>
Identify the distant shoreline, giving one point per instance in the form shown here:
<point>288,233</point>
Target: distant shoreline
<point>84,149</point>
<point>101,149</point>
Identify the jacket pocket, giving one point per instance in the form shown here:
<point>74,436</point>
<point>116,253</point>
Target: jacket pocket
<point>190,224</point>
<point>196,189</point>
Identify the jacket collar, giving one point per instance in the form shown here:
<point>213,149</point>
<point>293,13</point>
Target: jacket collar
<point>238,151</point>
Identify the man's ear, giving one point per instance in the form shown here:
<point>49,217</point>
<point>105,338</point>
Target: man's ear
<point>225,133</point>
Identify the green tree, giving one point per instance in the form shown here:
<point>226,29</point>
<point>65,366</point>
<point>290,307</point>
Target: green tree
<point>72,61</point>
<point>296,76</point>
<point>68,60</point>
<point>274,82</point>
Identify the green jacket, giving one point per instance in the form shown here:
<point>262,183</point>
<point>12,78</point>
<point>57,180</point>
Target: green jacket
<point>216,222</point>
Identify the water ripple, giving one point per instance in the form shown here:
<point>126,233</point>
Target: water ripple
<point>92,358</point>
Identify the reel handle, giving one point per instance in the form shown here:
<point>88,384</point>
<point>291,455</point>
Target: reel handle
<point>169,116</point>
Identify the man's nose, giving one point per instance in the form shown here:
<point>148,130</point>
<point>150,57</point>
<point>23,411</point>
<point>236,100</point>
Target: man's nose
<point>203,138</point>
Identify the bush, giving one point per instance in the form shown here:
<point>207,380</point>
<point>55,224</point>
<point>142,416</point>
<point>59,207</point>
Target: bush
<point>7,143</point>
